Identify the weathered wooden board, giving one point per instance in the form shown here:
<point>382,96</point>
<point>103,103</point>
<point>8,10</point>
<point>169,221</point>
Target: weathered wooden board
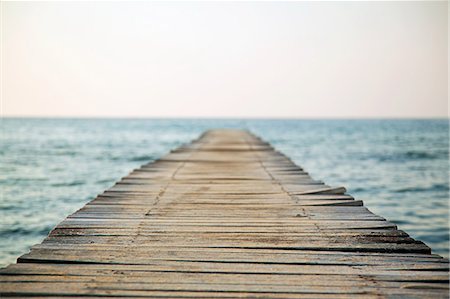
<point>226,216</point>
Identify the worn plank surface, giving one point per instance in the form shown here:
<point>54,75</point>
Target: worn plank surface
<point>226,216</point>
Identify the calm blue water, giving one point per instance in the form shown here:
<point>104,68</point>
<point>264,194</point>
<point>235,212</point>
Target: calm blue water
<point>52,167</point>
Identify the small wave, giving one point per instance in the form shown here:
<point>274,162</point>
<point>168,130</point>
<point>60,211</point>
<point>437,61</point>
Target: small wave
<point>141,158</point>
<point>66,153</point>
<point>14,231</point>
<point>401,222</point>
<point>436,236</point>
<point>420,155</point>
<point>105,181</point>
<point>22,180</point>
<point>74,183</point>
<point>110,158</point>
<point>435,187</point>
<point>411,155</point>
<point>7,207</point>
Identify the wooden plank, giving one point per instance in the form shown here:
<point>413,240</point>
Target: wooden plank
<point>226,216</point>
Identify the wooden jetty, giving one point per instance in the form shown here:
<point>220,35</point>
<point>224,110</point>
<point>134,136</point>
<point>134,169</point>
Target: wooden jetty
<point>226,216</point>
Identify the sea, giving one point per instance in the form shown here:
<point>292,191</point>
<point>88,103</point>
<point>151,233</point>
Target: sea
<point>50,168</point>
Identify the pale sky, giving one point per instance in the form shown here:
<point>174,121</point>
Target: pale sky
<point>225,59</point>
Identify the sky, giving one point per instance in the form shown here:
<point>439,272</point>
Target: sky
<point>225,59</point>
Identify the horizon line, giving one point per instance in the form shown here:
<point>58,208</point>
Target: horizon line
<point>229,117</point>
